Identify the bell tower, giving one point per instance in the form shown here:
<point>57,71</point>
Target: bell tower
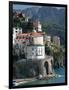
<point>38,26</point>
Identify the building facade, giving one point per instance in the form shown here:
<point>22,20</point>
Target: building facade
<point>38,26</point>
<point>48,40</point>
<point>56,40</point>
<point>16,31</point>
<point>32,46</point>
<point>36,52</point>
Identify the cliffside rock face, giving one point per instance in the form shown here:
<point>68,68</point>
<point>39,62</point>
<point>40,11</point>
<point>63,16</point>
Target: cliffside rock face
<point>33,68</point>
<point>42,69</point>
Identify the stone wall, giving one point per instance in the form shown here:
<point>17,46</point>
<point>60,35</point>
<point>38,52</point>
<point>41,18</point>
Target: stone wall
<point>33,68</point>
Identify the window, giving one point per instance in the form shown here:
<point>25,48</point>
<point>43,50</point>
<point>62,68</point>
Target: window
<point>16,31</point>
<point>17,46</point>
<point>20,37</point>
<point>17,37</point>
<point>39,51</point>
<point>34,51</point>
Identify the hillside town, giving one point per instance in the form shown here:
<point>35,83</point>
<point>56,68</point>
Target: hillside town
<point>30,53</point>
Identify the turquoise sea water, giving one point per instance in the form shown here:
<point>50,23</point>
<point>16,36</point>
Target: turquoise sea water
<point>59,79</point>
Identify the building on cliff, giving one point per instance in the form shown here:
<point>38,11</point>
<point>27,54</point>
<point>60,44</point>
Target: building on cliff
<point>32,45</point>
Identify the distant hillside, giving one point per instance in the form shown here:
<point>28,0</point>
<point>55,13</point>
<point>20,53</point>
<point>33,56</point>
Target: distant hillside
<point>52,19</point>
<point>46,14</point>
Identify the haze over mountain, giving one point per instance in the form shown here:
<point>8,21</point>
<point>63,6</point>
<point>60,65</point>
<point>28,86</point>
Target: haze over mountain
<point>46,14</point>
<point>52,19</point>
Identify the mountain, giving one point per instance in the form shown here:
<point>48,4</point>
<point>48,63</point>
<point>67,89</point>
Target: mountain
<point>46,14</point>
<point>51,18</point>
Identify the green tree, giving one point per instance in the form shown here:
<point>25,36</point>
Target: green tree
<point>58,54</point>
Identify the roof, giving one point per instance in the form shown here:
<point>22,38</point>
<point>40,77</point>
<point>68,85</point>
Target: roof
<point>23,34</point>
<point>27,35</point>
<point>36,34</point>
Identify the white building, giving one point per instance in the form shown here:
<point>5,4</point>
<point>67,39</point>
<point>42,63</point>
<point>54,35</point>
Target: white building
<point>28,41</point>
<point>48,40</point>
<point>31,43</point>
<point>23,38</point>
<point>37,26</point>
<point>36,52</point>
<point>15,32</point>
<point>32,46</point>
<point>56,40</point>
<point>34,30</point>
<point>37,38</point>
<point>27,19</point>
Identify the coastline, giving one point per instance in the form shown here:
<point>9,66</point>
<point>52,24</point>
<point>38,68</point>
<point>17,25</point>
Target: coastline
<point>27,80</point>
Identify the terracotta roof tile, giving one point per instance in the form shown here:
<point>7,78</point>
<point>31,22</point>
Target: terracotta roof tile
<point>26,35</point>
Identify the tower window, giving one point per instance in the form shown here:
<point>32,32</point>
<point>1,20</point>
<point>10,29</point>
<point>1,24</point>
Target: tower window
<point>16,31</point>
<point>39,52</point>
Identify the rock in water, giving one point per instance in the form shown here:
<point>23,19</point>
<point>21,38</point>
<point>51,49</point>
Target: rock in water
<point>40,76</point>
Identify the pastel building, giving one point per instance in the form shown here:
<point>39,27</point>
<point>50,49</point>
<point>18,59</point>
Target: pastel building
<point>32,45</point>
<point>38,26</point>
<point>56,40</point>
<point>36,50</point>
<point>48,40</point>
<point>37,38</point>
<point>16,31</point>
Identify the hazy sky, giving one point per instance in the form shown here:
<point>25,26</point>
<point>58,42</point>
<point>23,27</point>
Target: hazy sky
<point>27,6</point>
<point>22,6</point>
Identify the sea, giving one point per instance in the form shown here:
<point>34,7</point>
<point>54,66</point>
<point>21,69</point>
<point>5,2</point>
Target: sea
<point>60,72</point>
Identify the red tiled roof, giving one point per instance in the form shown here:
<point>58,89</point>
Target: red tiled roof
<point>25,36</point>
<point>36,34</point>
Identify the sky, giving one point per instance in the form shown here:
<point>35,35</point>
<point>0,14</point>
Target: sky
<point>22,7</point>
